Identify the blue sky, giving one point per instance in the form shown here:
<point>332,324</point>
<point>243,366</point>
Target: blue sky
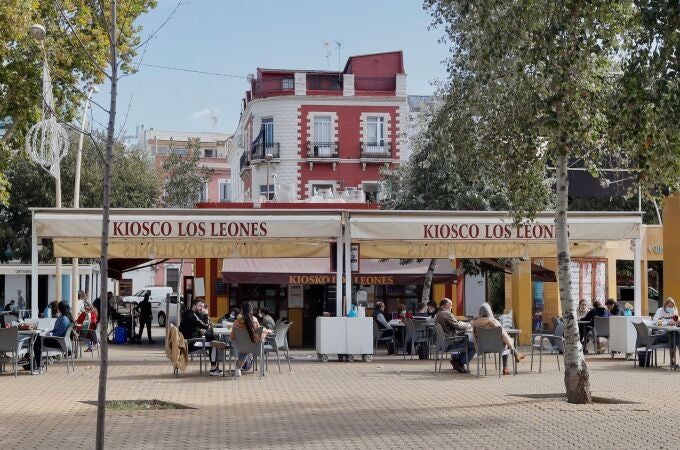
<point>235,38</point>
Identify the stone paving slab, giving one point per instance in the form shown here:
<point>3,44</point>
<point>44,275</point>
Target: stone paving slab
<point>388,403</point>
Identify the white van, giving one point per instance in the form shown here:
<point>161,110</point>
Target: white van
<point>157,295</point>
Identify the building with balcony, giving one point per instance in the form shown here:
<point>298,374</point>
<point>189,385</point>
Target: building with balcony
<point>320,134</point>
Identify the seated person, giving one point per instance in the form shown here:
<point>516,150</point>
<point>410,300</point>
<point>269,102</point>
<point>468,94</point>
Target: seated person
<point>613,307</point>
<point>87,320</point>
<point>582,309</point>
<point>432,308</point>
<point>453,327</point>
<point>233,313</point>
<point>383,325</point>
<point>10,306</point>
<point>422,310</point>
<point>597,311</point>
<point>666,313</point>
<point>64,321</point>
<point>267,320</point>
<point>628,310</point>
<point>193,326</point>
<point>402,312</point>
<point>486,320</point>
<point>247,321</point>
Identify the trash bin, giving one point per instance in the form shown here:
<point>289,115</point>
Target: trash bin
<point>645,358</point>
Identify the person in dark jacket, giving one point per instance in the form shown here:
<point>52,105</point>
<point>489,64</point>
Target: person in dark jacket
<point>192,327</point>
<point>613,307</point>
<point>597,311</point>
<point>145,316</point>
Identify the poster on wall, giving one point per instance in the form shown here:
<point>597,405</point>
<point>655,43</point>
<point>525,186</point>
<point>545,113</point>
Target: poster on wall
<point>575,275</point>
<point>125,287</point>
<point>601,281</point>
<point>354,258</point>
<point>295,297</point>
<point>588,281</point>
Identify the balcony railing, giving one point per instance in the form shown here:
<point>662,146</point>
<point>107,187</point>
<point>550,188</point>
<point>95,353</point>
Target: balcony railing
<point>244,162</point>
<point>382,84</point>
<point>324,82</point>
<point>375,150</point>
<point>261,150</point>
<point>322,150</point>
<point>274,85</point>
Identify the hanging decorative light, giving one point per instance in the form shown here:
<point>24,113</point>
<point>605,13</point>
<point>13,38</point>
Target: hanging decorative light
<point>47,141</point>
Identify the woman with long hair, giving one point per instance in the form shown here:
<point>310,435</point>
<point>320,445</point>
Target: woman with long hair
<point>486,320</point>
<point>247,321</point>
<point>61,326</point>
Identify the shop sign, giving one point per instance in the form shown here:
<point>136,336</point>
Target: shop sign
<point>501,231</point>
<point>208,229</point>
<point>331,279</point>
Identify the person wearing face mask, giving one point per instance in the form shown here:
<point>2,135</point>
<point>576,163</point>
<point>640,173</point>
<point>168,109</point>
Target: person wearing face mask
<point>232,315</point>
<point>667,311</point>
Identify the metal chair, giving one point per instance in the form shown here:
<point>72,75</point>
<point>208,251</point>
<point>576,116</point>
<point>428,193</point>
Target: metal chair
<point>65,347</point>
<point>490,340</point>
<point>555,345</point>
<point>10,342</point>
<point>648,341</point>
<point>200,349</point>
<point>381,335</point>
<point>416,332</point>
<point>278,342</point>
<point>450,344</point>
<point>243,344</point>
<point>87,336</point>
<point>600,330</point>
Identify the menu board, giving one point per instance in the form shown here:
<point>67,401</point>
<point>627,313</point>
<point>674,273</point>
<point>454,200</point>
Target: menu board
<point>601,281</point>
<point>575,275</point>
<point>588,281</point>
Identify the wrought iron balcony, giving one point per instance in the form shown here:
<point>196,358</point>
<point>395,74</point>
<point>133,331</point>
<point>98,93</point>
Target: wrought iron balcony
<point>316,82</point>
<point>244,162</point>
<point>381,84</point>
<point>322,150</point>
<point>260,151</point>
<point>376,150</point>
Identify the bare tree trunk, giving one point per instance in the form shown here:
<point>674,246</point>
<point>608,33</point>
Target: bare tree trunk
<point>108,157</point>
<point>576,378</point>
<point>427,284</point>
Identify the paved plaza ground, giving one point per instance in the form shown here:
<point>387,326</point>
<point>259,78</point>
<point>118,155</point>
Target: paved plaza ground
<point>388,403</point>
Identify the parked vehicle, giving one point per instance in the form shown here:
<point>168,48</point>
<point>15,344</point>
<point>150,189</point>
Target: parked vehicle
<point>626,294</point>
<point>157,297</point>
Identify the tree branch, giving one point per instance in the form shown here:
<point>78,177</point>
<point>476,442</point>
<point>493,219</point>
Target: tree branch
<point>82,45</point>
<point>155,32</point>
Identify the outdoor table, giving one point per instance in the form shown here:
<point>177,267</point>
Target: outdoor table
<point>514,332</point>
<point>672,331</point>
<point>222,335</point>
<point>33,334</point>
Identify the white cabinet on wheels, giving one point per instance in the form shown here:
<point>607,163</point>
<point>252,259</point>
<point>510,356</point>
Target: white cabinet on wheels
<point>622,335</point>
<point>346,337</point>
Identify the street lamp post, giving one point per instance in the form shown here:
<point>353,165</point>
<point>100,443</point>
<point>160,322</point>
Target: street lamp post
<point>46,144</point>
<point>75,279</point>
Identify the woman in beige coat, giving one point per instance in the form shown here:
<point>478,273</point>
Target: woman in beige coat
<point>486,320</point>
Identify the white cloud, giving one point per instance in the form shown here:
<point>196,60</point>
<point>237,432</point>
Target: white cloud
<point>205,112</point>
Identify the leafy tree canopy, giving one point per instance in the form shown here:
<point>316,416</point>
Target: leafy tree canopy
<point>134,185</point>
<point>76,48</point>
<point>185,177</point>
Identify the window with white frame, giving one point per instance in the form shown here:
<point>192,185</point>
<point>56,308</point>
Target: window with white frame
<point>209,152</point>
<point>322,136</point>
<point>371,190</point>
<point>375,131</point>
<point>268,126</point>
<point>323,190</point>
<point>225,191</point>
<point>203,195</point>
<point>288,84</point>
<point>267,191</point>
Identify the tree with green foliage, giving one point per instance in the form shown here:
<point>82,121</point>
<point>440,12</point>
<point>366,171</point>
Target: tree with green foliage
<point>135,185</point>
<point>538,84</point>
<point>76,48</point>
<point>185,177</point>
<point>439,176</point>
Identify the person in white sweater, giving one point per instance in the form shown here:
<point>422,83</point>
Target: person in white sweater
<point>667,311</point>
